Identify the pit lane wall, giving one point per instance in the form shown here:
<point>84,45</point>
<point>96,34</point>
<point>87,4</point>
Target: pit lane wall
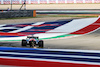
<point>14,14</point>
<point>49,57</point>
<point>47,1</point>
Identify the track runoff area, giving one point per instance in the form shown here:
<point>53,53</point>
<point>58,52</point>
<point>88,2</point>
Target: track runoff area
<point>49,57</point>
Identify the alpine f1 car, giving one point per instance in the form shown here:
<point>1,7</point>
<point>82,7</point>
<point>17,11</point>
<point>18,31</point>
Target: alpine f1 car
<point>33,41</point>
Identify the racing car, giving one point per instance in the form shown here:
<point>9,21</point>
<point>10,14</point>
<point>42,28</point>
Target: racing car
<point>33,41</point>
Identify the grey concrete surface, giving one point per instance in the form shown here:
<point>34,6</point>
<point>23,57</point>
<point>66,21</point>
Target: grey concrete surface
<point>86,42</point>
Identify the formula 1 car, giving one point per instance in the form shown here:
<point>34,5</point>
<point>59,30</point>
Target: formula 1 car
<point>33,41</point>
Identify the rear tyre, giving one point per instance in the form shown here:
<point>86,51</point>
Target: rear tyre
<point>24,43</point>
<point>41,44</point>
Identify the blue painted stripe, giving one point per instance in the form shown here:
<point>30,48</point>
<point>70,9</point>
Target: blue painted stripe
<point>15,48</point>
<point>53,58</point>
<point>8,36</point>
<point>31,31</point>
<point>15,25</point>
<point>56,52</point>
<point>49,27</point>
<point>39,51</point>
<point>30,53</point>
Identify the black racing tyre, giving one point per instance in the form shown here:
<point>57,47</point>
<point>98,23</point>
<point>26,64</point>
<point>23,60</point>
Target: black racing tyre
<point>41,44</point>
<point>24,43</point>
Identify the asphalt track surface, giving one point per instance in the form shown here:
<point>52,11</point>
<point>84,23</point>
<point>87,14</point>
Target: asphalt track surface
<point>85,42</point>
<point>89,41</point>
